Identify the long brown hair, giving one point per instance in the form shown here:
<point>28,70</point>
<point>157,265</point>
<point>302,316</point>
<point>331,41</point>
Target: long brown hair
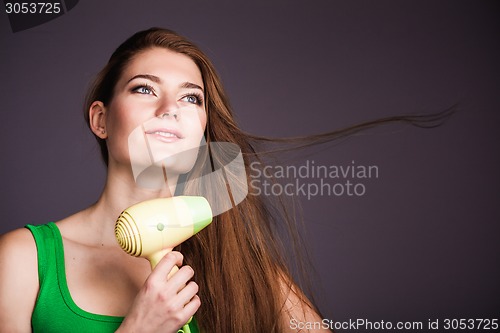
<point>239,260</point>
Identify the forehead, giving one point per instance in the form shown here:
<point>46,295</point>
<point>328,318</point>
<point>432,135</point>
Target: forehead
<point>169,66</point>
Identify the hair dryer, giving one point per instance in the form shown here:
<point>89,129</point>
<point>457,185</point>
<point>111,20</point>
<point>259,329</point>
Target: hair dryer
<point>152,228</point>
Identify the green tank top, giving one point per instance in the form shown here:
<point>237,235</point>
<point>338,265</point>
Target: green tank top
<point>55,311</point>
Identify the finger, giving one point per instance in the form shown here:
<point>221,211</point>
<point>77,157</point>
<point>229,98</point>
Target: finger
<point>181,278</point>
<point>188,292</point>
<point>166,264</point>
<point>182,298</point>
<point>191,307</point>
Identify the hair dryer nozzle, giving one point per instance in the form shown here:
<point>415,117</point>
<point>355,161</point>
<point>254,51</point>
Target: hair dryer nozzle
<point>200,212</point>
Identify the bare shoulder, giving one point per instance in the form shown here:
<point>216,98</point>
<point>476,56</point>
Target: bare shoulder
<point>18,250</point>
<point>19,243</point>
<point>299,313</point>
<point>18,280</point>
<point>17,235</point>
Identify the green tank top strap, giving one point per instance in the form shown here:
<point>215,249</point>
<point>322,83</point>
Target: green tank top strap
<point>55,311</point>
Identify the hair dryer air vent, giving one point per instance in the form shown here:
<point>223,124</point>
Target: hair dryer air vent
<point>128,235</point>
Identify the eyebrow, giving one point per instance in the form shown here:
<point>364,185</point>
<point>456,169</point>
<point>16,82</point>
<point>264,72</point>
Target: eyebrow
<point>150,77</point>
<point>190,85</point>
<point>156,79</point>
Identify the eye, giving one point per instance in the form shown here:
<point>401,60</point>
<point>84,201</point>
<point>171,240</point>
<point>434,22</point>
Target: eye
<point>193,99</point>
<point>144,89</point>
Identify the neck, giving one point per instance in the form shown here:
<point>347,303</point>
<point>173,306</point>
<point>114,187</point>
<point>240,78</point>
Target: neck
<point>120,192</point>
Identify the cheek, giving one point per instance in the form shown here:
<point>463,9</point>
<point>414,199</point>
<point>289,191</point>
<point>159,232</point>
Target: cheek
<point>121,121</point>
<point>195,130</point>
<point>120,124</point>
<point>201,124</point>
<point>193,124</point>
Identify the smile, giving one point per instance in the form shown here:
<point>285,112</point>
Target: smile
<point>165,134</point>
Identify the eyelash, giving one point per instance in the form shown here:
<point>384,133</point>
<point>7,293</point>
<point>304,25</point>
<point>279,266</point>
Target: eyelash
<point>199,97</point>
<point>146,86</point>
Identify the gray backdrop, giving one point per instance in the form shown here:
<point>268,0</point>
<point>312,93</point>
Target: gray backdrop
<point>421,243</point>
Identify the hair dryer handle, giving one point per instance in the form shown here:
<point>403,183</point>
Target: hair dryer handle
<point>155,258</point>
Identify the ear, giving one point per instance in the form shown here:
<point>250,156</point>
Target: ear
<point>97,119</point>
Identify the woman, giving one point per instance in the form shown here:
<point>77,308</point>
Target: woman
<point>76,278</point>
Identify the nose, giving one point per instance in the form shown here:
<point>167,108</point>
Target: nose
<point>167,110</point>
<point>172,113</point>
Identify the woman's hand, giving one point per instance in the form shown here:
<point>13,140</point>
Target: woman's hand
<point>164,304</point>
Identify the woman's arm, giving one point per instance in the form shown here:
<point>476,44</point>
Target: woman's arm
<point>18,280</point>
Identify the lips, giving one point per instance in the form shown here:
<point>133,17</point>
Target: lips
<point>165,134</point>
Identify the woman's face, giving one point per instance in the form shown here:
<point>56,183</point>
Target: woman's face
<point>157,115</point>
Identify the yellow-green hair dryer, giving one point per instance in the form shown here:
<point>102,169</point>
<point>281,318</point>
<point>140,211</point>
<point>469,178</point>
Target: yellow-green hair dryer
<point>152,228</point>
